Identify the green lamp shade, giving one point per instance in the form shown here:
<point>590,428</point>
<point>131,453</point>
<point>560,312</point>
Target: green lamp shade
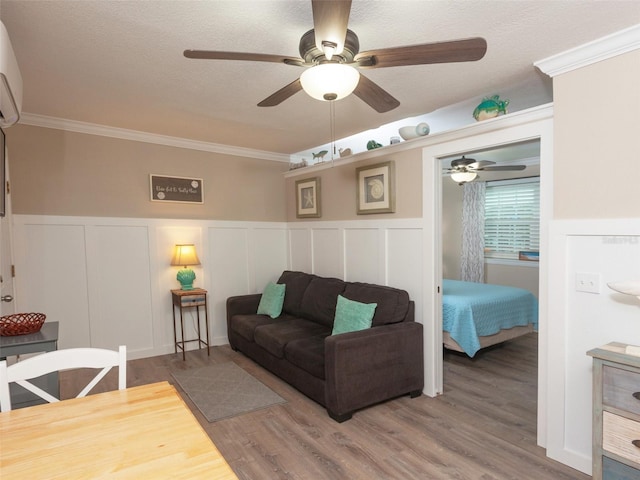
<point>185,255</point>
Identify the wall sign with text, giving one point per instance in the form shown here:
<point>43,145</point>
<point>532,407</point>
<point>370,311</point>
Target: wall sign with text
<point>176,189</point>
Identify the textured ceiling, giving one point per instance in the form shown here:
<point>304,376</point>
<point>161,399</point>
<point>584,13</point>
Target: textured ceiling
<point>120,63</point>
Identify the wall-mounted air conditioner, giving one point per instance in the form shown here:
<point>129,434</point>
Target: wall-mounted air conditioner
<point>10,82</point>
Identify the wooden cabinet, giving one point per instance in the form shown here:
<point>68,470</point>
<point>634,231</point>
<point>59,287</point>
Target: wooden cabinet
<point>616,413</point>
<point>45,340</point>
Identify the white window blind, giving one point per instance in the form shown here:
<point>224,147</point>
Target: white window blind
<point>512,218</point>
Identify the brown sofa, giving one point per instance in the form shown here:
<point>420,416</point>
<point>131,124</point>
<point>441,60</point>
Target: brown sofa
<point>344,372</point>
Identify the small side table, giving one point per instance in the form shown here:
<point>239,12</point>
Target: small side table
<point>182,299</point>
<point>46,340</point>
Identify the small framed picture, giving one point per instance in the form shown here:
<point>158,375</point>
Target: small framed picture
<point>376,190</point>
<point>176,189</point>
<point>308,198</point>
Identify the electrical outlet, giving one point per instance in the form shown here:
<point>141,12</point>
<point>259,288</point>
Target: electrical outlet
<point>588,282</point>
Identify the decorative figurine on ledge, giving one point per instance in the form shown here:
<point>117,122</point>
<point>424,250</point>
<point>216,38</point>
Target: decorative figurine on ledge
<point>300,164</point>
<point>490,107</point>
<point>410,132</point>
<point>372,144</point>
<point>320,155</point>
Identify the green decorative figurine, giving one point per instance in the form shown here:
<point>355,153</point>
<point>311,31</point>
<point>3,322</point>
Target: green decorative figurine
<point>490,107</point>
<point>372,144</point>
<point>320,155</point>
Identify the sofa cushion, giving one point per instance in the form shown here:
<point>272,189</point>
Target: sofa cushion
<point>272,300</point>
<point>320,298</point>
<point>393,303</point>
<point>307,354</point>
<point>273,337</point>
<point>245,325</point>
<point>352,316</point>
<point>296,283</point>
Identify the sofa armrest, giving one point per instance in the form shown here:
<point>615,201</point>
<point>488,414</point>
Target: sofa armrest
<point>242,305</point>
<point>369,366</point>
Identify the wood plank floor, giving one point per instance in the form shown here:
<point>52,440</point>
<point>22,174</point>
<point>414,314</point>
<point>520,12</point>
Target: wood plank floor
<point>483,427</point>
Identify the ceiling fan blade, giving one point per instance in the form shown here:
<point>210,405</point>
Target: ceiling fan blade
<point>466,50</point>
<point>330,19</point>
<point>481,164</point>
<point>502,168</point>
<point>374,96</point>
<point>282,94</point>
<point>251,57</point>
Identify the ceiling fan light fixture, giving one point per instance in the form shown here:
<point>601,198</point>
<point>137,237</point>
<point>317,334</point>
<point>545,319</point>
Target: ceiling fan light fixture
<point>463,177</point>
<point>329,49</point>
<point>330,81</point>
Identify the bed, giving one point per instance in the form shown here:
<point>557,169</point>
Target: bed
<point>477,315</point>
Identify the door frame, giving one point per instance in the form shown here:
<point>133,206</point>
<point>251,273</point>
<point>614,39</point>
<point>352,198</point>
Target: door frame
<point>527,125</point>
<point>7,286</point>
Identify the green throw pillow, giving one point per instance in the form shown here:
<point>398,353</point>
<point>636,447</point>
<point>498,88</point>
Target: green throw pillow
<point>272,300</point>
<point>352,316</point>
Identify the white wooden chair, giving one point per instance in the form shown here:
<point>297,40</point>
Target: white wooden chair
<point>58,360</point>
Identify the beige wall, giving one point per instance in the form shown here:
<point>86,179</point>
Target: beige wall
<point>597,140</point>
<point>55,172</point>
<point>338,188</point>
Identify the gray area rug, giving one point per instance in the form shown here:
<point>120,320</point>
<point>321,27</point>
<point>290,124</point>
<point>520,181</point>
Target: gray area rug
<point>225,390</point>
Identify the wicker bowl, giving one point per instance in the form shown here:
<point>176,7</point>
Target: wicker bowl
<point>21,323</point>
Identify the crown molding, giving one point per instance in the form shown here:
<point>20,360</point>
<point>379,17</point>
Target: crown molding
<point>138,136</point>
<point>610,46</point>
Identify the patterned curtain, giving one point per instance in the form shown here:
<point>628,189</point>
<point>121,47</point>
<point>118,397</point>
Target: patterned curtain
<point>472,262</point>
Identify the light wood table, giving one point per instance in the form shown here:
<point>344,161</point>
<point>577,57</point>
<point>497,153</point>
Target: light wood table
<point>141,432</point>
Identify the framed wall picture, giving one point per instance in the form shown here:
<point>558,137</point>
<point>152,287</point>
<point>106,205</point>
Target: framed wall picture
<point>376,188</point>
<point>308,198</point>
<point>176,189</point>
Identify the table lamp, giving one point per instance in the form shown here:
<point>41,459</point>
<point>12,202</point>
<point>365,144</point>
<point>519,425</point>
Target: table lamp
<point>184,256</point>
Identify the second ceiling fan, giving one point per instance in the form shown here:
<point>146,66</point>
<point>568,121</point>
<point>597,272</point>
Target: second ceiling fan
<point>465,169</point>
<point>331,51</point>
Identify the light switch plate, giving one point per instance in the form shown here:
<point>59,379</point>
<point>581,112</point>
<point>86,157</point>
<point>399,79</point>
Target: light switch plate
<point>588,282</point>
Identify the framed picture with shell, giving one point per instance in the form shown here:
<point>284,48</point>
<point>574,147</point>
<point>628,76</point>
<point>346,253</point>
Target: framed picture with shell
<point>376,188</point>
<point>308,198</point>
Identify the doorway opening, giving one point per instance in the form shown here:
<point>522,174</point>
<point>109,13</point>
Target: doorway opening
<point>533,126</point>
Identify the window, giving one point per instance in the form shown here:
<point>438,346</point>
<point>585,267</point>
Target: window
<point>512,218</point>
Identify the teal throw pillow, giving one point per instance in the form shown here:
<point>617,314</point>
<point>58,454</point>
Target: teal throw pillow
<point>352,316</point>
<point>272,300</point>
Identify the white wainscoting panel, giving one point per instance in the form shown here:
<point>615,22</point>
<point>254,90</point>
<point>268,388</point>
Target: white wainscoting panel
<point>327,252</point>
<point>404,263</point>
<point>108,280</point>
<point>269,255</point>
<point>52,278</point>
<point>581,321</point>
<point>300,249</point>
<point>119,286</point>
<point>363,255</point>
<point>386,252</point>
<point>229,253</point>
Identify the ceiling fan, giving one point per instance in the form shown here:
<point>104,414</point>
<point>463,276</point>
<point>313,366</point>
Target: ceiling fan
<point>465,169</point>
<point>330,52</point>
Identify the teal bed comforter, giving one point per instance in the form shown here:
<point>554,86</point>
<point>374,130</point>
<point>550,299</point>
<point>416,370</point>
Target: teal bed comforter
<point>471,310</point>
